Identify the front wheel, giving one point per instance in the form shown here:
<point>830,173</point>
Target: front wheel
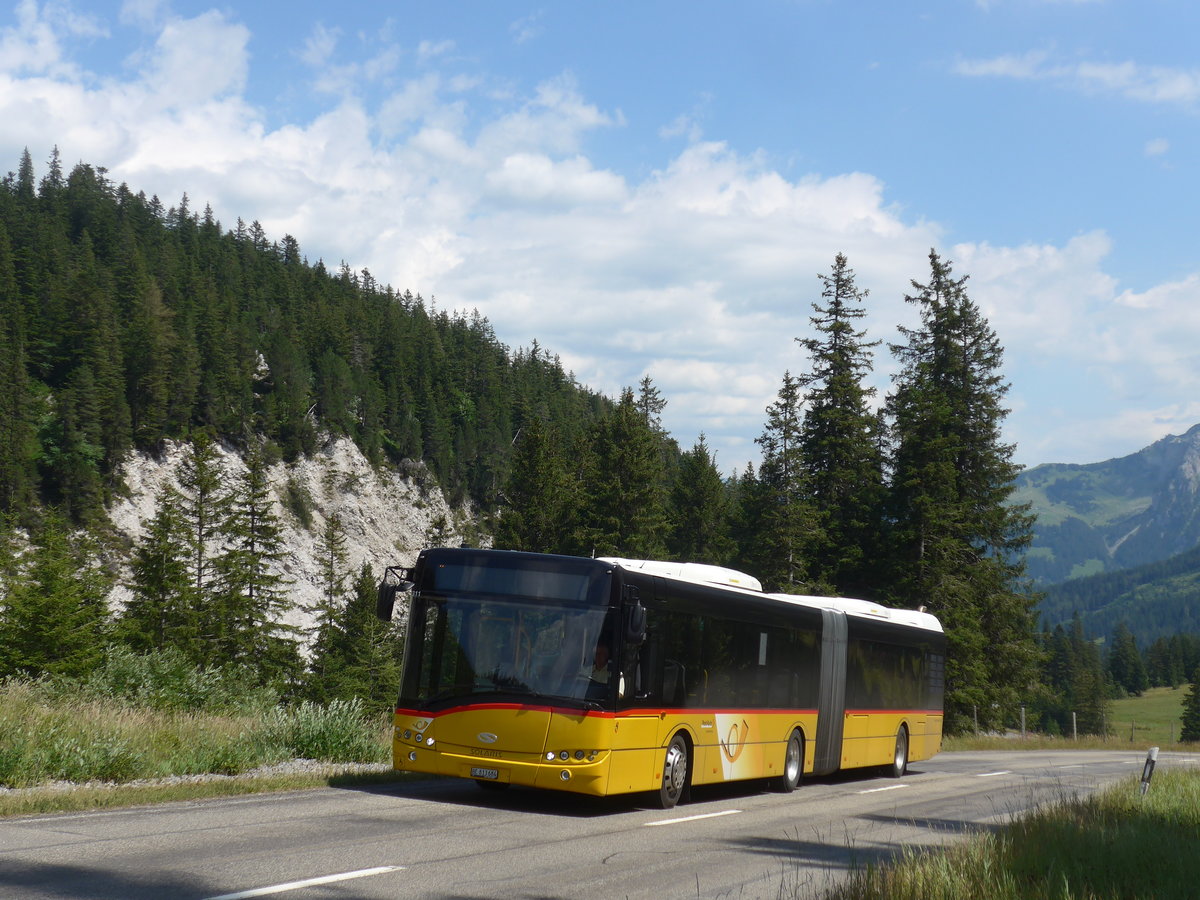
<point>793,765</point>
<point>675,773</point>
<point>900,758</point>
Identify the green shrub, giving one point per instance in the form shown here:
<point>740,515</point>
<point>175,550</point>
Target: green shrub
<point>336,732</point>
<point>167,680</point>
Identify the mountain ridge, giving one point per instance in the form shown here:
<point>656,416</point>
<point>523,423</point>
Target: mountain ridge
<point>1116,514</point>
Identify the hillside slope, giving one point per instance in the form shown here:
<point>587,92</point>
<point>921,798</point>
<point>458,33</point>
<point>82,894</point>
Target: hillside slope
<point>1159,599</point>
<point>386,517</point>
<point>1116,514</point>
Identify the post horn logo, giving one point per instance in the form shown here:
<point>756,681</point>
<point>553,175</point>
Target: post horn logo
<point>735,740</point>
<point>486,737</point>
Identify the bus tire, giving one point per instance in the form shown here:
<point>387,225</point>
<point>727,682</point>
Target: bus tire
<point>793,765</point>
<point>675,773</point>
<point>900,757</point>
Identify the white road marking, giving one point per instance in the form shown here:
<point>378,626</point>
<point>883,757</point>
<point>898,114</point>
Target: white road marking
<point>308,882</point>
<point>1070,767</point>
<point>727,812</point>
<point>993,774</point>
<point>894,787</point>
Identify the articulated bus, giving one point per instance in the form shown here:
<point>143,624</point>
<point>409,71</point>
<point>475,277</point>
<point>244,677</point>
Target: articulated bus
<point>610,676</point>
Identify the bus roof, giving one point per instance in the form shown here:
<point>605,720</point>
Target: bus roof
<point>698,573</point>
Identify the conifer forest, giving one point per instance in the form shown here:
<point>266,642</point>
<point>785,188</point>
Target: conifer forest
<point>127,324</point>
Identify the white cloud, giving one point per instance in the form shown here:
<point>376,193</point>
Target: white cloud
<point>526,28</point>
<point>1147,84</point>
<point>144,13</point>
<point>1157,147</point>
<point>198,59</point>
<point>427,51</point>
<point>319,46</point>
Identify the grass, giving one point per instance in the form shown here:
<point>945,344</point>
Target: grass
<point>44,738</point>
<point>1151,720</point>
<point>1114,844</point>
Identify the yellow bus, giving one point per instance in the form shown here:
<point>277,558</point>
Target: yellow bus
<point>611,676</point>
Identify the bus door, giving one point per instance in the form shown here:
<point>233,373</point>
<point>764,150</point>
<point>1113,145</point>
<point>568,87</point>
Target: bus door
<point>641,717</point>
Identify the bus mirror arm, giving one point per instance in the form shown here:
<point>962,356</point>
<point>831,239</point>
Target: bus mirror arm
<point>395,580</point>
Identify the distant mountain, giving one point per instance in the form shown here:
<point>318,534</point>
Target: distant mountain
<point>1156,600</point>
<point>1114,515</point>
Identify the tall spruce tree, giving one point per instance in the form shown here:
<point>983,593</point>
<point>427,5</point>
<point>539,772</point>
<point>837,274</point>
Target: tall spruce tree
<point>955,538</point>
<point>539,502</point>
<point>1191,710</point>
<point>252,596</point>
<point>700,513</point>
<point>624,510</point>
<point>16,413</point>
<point>54,619</point>
<point>331,555</point>
<point>1125,665</point>
<point>839,447</point>
<point>162,611</point>
<point>787,525</point>
<point>358,655</point>
<point>204,503</point>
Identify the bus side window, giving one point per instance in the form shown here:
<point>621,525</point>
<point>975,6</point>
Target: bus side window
<point>674,679</point>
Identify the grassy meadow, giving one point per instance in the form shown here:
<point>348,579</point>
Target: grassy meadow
<point>155,718</point>
<point>1151,720</point>
<point>1113,844</point>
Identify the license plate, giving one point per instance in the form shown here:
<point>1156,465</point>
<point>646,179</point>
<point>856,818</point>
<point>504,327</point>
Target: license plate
<point>485,773</point>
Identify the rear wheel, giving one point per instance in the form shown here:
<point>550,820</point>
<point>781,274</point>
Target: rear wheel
<point>675,773</point>
<point>900,758</point>
<point>793,765</point>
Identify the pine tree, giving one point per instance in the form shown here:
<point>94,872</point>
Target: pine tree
<point>787,530</point>
<point>838,444</point>
<point>54,620</point>
<point>358,655</point>
<point>16,417</point>
<point>1191,710</point>
<point>624,510</point>
<point>1125,664</point>
<point>538,497</point>
<point>700,510</point>
<point>252,596</point>
<point>955,538</point>
<point>161,612</point>
<point>204,503</point>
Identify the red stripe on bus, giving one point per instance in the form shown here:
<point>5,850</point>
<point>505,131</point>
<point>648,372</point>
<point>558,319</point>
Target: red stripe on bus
<point>604,714</point>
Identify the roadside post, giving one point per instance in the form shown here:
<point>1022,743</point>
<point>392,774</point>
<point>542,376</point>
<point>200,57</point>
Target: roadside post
<point>1148,769</point>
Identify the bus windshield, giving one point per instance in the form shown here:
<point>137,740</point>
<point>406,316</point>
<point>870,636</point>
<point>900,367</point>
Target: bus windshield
<point>470,646</point>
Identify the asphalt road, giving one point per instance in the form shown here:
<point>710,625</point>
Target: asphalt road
<point>449,839</point>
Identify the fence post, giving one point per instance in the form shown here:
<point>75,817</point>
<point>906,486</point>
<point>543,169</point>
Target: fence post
<point>1074,728</point>
<point>1132,726</point>
<point>1022,721</point>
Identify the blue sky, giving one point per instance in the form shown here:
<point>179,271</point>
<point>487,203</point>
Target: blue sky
<point>652,188</point>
